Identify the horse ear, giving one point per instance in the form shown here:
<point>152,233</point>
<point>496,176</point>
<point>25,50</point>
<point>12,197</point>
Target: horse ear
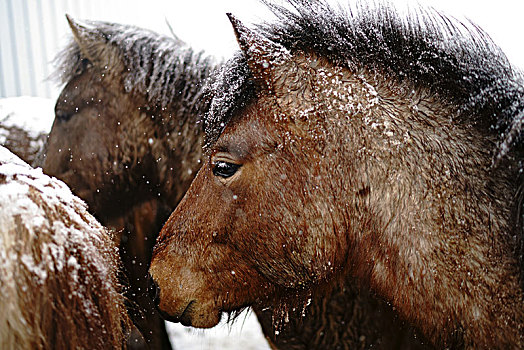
<point>94,45</point>
<point>262,54</point>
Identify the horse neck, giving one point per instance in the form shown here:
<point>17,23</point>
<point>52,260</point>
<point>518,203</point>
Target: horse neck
<point>429,222</point>
<point>178,154</point>
<point>427,219</point>
<point>181,128</point>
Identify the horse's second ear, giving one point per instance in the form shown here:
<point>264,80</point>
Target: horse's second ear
<point>262,54</point>
<point>94,45</point>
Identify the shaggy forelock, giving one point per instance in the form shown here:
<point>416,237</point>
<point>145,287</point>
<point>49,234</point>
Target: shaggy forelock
<point>231,90</point>
<point>455,61</point>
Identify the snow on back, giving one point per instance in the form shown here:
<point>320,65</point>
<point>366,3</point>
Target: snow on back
<point>27,196</point>
<point>56,261</point>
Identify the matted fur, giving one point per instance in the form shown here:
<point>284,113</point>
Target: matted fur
<point>458,62</point>
<point>127,139</point>
<point>178,135</point>
<point>359,145</point>
<point>58,270</point>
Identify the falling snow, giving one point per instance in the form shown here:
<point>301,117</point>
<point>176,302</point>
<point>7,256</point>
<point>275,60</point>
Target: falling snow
<point>37,114</point>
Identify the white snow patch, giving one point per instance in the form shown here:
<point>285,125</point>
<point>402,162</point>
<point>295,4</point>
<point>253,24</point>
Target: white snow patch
<point>33,114</point>
<point>244,334</point>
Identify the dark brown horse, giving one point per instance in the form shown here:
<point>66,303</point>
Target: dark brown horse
<point>127,139</point>
<point>365,146</point>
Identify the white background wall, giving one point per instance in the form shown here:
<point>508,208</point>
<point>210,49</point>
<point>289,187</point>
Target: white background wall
<point>33,31</point>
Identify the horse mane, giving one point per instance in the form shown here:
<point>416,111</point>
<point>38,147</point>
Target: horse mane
<point>455,61</point>
<point>162,68</point>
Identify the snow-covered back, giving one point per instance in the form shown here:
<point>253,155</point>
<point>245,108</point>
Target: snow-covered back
<point>20,185</point>
<point>56,262</point>
<point>27,197</point>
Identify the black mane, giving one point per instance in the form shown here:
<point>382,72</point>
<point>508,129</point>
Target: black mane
<point>455,61</point>
<point>164,69</point>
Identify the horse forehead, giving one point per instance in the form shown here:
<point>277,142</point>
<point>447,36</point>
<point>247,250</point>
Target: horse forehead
<point>85,85</point>
<point>250,128</point>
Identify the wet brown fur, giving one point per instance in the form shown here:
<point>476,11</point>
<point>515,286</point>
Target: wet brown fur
<point>58,276</point>
<point>125,149</point>
<point>354,171</point>
<point>90,132</point>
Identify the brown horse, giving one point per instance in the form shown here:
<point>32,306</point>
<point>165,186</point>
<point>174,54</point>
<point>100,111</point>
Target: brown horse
<point>127,139</point>
<point>91,132</point>
<point>365,146</point>
<point>58,272</point>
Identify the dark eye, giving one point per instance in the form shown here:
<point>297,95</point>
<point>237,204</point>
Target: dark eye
<point>225,169</point>
<point>63,115</point>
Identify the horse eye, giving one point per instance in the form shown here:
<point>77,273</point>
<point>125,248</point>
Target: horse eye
<point>225,169</point>
<point>63,115</point>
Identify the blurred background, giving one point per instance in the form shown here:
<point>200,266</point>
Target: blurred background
<point>33,31</point>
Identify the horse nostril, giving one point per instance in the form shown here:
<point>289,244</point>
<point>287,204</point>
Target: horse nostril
<point>153,290</point>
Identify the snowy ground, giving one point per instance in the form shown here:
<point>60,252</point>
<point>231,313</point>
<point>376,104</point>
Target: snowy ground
<point>244,334</point>
<point>36,115</point>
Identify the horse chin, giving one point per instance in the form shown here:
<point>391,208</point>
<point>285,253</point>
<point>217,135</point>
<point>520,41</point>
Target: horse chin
<point>202,319</point>
<point>196,315</point>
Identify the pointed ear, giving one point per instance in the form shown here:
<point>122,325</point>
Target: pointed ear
<point>262,54</point>
<point>94,45</point>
